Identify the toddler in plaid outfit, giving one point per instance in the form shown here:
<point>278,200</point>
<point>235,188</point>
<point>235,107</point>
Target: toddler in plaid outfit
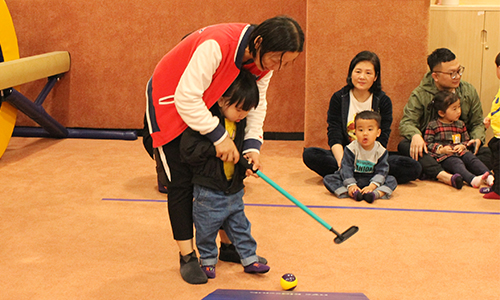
<point>446,138</point>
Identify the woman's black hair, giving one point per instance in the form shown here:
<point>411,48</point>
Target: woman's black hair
<point>442,100</point>
<point>243,91</point>
<point>371,57</point>
<point>278,34</point>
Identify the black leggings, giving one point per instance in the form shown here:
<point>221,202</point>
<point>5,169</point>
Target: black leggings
<point>494,145</point>
<point>467,165</point>
<point>431,168</point>
<point>177,176</point>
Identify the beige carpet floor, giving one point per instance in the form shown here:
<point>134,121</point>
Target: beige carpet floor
<point>82,219</point>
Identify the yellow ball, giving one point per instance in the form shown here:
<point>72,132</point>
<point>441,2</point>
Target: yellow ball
<point>288,281</point>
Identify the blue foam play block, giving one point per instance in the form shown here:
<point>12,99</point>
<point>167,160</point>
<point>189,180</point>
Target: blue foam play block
<point>222,294</point>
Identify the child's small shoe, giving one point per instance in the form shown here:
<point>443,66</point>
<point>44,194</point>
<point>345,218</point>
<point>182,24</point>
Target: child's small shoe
<point>370,197</point>
<point>457,181</point>
<point>209,271</point>
<point>357,195</point>
<point>257,267</point>
<point>491,195</point>
<point>485,190</point>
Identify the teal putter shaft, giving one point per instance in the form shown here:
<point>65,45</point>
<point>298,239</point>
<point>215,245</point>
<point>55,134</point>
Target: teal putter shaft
<point>340,237</point>
<point>293,199</point>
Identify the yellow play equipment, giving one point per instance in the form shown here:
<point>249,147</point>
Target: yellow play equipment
<point>8,51</point>
<point>15,71</point>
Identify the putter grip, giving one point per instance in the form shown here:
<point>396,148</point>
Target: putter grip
<point>244,162</point>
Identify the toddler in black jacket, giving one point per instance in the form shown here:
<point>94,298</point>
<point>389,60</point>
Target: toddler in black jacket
<point>218,185</point>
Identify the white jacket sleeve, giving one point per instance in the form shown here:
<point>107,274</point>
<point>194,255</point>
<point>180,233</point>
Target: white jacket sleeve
<point>255,119</point>
<point>196,78</point>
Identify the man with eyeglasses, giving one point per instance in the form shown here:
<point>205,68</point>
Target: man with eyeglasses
<point>445,74</point>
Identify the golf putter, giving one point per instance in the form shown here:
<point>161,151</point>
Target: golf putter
<point>340,237</point>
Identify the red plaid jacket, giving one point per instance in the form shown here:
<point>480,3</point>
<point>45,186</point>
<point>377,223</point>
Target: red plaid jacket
<point>438,134</point>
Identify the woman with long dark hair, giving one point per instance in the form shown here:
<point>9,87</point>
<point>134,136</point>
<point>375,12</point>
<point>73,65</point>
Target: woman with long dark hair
<point>362,92</point>
<point>185,84</point>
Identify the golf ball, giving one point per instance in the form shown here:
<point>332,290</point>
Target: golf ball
<point>288,281</point>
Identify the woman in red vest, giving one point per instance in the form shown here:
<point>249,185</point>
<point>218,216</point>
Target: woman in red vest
<point>185,84</point>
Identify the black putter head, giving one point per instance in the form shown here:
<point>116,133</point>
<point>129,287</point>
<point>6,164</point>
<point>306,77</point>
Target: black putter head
<point>346,234</point>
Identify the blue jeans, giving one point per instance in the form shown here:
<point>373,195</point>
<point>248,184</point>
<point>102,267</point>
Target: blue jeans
<point>335,184</point>
<point>213,210</point>
<point>322,161</point>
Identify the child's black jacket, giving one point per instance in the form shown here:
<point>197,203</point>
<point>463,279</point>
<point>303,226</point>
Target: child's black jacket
<point>208,170</point>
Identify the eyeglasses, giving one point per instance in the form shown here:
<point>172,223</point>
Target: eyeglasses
<point>453,74</point>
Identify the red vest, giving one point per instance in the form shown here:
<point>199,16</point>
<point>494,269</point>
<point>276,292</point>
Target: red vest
<point>169,70</point>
